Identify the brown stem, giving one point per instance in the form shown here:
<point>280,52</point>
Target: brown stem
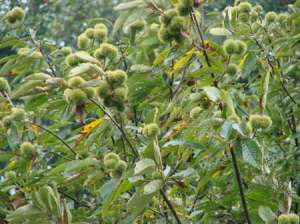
<point>56,136</point>
<point>199,31</point>
<point>170,206</point>
<point>195,21</point>
<point>135,152</point>
<point>240,185</point>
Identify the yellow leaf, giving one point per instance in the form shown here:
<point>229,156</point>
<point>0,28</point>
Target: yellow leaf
<point>175,130</point>
<point>90,126</point>
<point>216,174</point>
<point>5,105</point>
<point>26,189</point>
<point>241,65</point>
<point>12,164</point>
<point>35,129</point>
<point>181,62</point>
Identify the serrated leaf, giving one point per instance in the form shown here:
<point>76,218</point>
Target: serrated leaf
<point>37,76</point>
<point>266,81</point>
<point>251,152</point>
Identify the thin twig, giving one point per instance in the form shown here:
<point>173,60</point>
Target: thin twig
<point>197,25</point>
<point>48,60</point>
<point>56,136</point>
<point>296,156</point>
<point>61,156</point>
<point>170,206</point>
<point>154,5</point>
<point>199,31</point>
<point>195,201</point>
<point>178,88</point>
<point>135,152</point>
<point>285,89</point>
<point>240,185</point>
<point>8,98</point>
<point>83,204</point>
<point>272,67</point>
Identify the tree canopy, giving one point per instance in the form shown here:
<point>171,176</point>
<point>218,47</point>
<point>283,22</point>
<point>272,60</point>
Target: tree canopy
<point>149,111</point>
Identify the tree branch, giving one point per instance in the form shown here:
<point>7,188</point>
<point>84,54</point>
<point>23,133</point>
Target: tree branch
<point>56,136</point>
<point>135,152</point>
<point>170,206</point>
<point>240,185</point>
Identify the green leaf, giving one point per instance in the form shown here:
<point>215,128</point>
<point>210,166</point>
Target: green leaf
<point>121,187</point>
<point>219,31</point>
<point>129,5</point>
<point>26,212</point>
<point>179,142</point>
<point>120,22</point>
<point>152,187</point>
<point>212,93</point>
<point>80,164</point>
<point>26,88</point>
<point>266,214</point>
<point>138,203</point>
<point>226,129</point>
<point>73,166</point>
<point>80,69</point>
<point>86,57</point>
<point>229,102</point>
<point>85,67</point>
<point>251,152</point>
<point>248,64</point>
<point>162,56</point>
<point>266,81</point>
<point>11,41</point>
<point>140,68</point>
<point>157,154</point>
<point>143,165</point>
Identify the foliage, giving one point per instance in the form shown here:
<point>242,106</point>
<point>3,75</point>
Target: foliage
<point>173,113</point>
<point>61,21</point>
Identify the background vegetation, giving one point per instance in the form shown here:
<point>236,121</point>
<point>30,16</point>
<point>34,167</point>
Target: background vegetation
<point>149,111</point>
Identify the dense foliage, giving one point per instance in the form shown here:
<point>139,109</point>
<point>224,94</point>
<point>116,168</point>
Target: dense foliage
<point>173,113</point>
